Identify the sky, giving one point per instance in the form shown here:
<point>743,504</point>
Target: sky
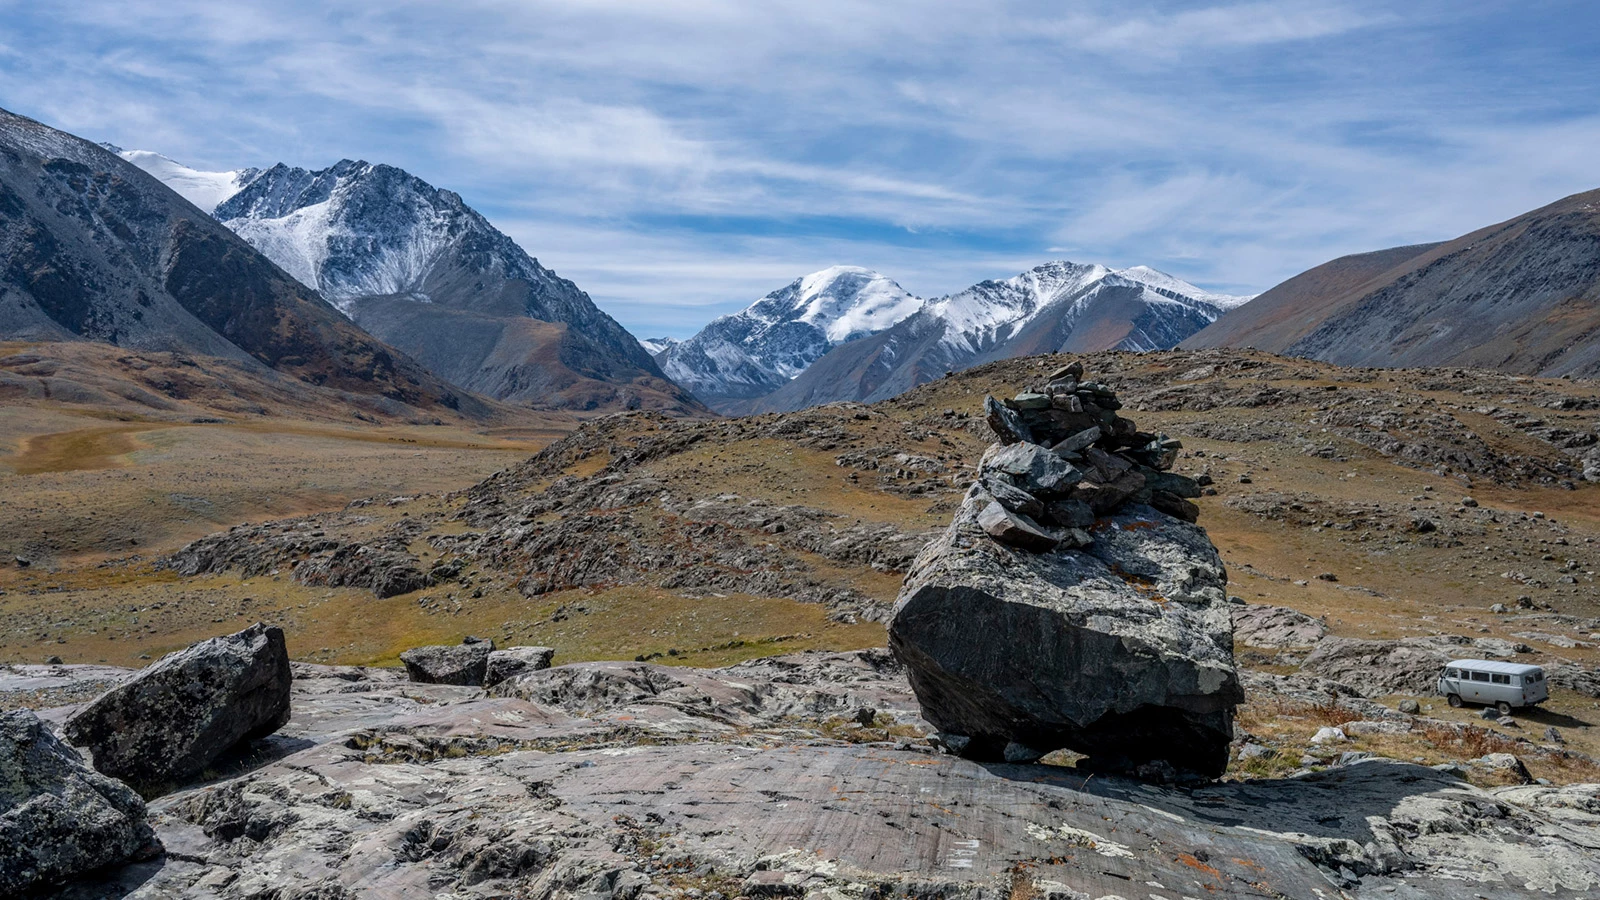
<point>680,158</point>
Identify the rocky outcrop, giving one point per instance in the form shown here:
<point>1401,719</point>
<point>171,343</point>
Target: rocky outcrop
<point>1275,627</point>
<point>58,817</point>
<point>1376,668</point>
<point>169,722</point>
<point>1101,626</point>
<point>464,664</point>
<point>513,661</point>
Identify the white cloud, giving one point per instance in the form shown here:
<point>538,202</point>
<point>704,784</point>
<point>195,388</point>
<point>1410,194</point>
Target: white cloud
<point>681,157</point>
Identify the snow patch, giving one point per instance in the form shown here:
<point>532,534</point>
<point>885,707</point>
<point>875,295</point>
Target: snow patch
<point>206,190</point>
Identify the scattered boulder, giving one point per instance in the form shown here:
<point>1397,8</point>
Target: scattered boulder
<point>1329,734</point>
<point>1019,643</point>
<point>58,817</point>
<point>1409,707</point>
<point>166,724</point>
<point>513,661</point>
<point>464,664</point>
<point>1506,764</point>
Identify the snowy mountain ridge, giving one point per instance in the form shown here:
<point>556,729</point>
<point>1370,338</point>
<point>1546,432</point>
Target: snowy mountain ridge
<point>758,352</point>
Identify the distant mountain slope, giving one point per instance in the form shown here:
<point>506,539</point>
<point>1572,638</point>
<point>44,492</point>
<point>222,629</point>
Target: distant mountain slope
<point>1522,296</point>
<point>93,248</point>
<point>1059,306</point>
<point>417,267</point>
<point>757,350</point>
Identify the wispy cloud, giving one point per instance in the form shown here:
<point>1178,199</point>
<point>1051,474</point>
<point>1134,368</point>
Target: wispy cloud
<point>680,157</point>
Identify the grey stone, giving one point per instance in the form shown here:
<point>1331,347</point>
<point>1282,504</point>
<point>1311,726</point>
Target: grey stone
<point>1072,371</point>
<point>1015,529</point>
<point>1030,400</point>
<point>1122,652</point>
<point>1020,753</point>
<point>1036,469</point>
<point>1506,763</point>
<point>1012,497</point>
<point>464,664</point>
<point>1409,707</point>
<point>1078,442</point>
<point>1069,513</point>
<point>1005,423</point>
<point>58,817</point>
<point>1172,483</point>
<point>1329,734</point>
<point>169,722</point>
<point>1256,751</point>
<point>513,661</point>
<point>1175,506</point>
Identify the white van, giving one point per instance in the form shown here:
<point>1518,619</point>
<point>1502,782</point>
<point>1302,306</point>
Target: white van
<point>1505,686</point>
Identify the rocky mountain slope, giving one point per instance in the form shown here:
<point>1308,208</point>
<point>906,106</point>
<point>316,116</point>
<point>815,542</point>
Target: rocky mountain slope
<point>1522,296</point>
<point>417,267</point>
<point>93,248</point>
<point>756,351</point>
<point>1057,307</point>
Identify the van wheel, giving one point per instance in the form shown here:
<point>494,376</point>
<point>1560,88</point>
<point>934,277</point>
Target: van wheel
<point>1454,700</point>
<point>1504,707</point>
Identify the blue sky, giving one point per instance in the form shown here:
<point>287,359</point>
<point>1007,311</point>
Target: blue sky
<point>679,159</point>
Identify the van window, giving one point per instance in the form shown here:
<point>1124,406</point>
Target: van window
<point>1452,673</point>
<point>1480,676</point>
<point>1534,677</point>
<point>1499,678</point>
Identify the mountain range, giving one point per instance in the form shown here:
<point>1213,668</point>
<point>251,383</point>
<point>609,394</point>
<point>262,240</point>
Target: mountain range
<point>93,248</point>
<point>1522,296</point>
<point>418,268</point>
<point>851,334</point>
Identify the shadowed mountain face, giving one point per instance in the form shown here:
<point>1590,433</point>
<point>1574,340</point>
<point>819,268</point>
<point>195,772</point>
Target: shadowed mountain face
<point>1056,307</point>
<point>1522,297</point>
<point>93,248</point>
<point>420,269</point>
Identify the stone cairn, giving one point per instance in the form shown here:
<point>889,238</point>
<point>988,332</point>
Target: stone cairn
<point>1066,457</point>
<point>1072,603</point>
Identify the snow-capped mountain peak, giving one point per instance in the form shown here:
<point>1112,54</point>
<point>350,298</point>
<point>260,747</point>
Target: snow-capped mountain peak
<point>207,190</point>
<point>846,302</point>
<point>758,349</point>
<point>1164,283</point>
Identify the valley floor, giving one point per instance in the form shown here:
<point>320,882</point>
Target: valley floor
<point>1341,493</point>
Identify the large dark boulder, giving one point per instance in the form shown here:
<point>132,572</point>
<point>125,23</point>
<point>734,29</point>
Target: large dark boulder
<point>169,722</point>
<point>58,817</point>
<point>1122,650</point>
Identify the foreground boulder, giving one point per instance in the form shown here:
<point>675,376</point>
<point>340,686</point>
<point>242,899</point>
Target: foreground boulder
<point>464,664</point>
<point>1115,641</point>
<point>169,722</point>
<point>58,817</point>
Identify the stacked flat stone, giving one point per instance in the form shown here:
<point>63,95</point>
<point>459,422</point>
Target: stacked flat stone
<point>1066,457</point>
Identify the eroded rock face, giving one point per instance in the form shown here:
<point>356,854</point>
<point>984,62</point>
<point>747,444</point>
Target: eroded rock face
<point>58,817</point>
<point>170,721</point>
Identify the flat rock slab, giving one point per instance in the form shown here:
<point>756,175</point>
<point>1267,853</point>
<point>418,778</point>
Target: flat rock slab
<point>627,776</point>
